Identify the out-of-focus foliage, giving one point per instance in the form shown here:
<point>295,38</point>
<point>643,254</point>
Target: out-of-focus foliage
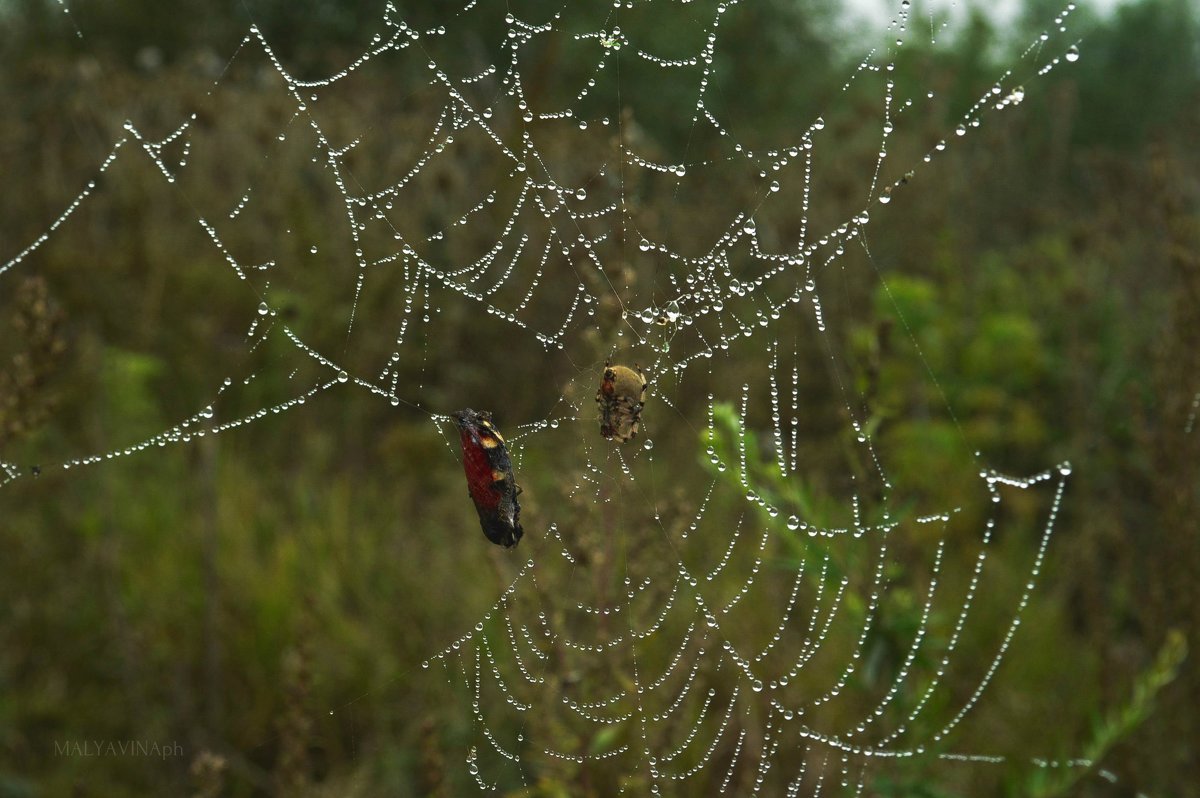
<point>1041,280</point>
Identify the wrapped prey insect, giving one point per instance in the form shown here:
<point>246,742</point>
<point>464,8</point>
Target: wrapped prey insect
<point>490,481</point>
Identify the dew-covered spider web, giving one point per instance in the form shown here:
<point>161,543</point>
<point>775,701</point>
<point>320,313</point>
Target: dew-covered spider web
<point>715,606</point>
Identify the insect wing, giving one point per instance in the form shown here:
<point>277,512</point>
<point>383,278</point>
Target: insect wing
<point>490,480</point>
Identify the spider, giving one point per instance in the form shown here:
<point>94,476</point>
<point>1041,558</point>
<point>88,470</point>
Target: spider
<point>621,396</point>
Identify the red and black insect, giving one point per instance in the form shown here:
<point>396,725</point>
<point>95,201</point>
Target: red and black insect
<point>490,481</point>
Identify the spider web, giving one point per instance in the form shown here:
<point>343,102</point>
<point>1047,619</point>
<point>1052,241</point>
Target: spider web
<point>684,643</point>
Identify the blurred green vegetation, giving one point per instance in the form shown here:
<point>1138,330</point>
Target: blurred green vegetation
<point>265,597</point>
